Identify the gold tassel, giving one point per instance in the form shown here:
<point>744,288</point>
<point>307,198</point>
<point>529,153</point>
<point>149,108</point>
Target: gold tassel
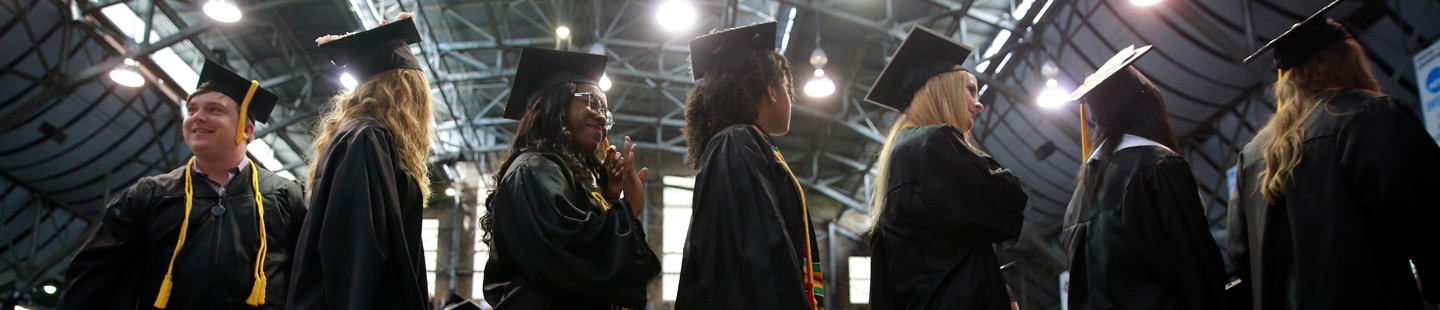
<point>244,108</point>
<point>164,298</point>
<point>257,293</point>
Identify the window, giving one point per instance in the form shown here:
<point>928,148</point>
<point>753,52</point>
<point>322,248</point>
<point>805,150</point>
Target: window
<point>860,280</point>
<point>430,240</point>
<point>676,224</point>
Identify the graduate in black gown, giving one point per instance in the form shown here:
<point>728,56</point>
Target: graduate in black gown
<point>192,238</point>
<point>561,224</point>
<point>360,246</point>
<point>750,244</point>
<point>1348,184</point>
<point>939,203</point>
<point>1136,231</point>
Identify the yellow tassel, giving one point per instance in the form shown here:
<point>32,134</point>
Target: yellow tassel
<point>164,298</point>
<point>257,293</point>
<point>244,108</point>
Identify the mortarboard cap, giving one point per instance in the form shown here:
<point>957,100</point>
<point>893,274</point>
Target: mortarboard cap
<point>217,78</point>
<point>923,55</point>
<point>1305,39</point>
<point>1116,88</point>
<point>704,51</point>
<point>541,69</point>
<point>1102,74</point>
<point>376,50</point>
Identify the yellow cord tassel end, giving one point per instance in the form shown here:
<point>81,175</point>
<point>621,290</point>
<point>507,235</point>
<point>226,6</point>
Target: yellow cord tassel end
<point>257,293</point>
<point>163,298</point>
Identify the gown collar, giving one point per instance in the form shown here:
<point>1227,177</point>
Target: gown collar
<point>1127,141</point>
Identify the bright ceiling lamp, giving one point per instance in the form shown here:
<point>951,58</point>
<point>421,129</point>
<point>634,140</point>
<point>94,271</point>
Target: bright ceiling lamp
<point>50,289</point>
<point>450,192</point>
<point>1144,2</point>
<point>605,82</point>
<point>223,11</point>
<point>820,86</point>
<point>675,15</point>
<point>562,32</point>
<point>127,74</point>
<point>1052,97</point>
<point>348,81</point>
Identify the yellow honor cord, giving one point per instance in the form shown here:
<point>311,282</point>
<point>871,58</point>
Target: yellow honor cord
<point>809,274</point>
<point>257,292</point>
<point>162,299</point>
<point>244,109</point>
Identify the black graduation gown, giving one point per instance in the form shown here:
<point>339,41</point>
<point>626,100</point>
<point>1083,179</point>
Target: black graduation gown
<point>1142,241</point>
<point>945,206</point>
<point>749,231</point>
<point>360,246</point>
<point>559,245</point>
<point>124,262</point>
<point>1360,205</point>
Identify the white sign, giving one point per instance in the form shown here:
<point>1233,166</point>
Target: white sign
<point>1427,76</point>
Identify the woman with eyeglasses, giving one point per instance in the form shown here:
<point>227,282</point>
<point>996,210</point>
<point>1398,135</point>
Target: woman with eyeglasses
<point>561,223</point>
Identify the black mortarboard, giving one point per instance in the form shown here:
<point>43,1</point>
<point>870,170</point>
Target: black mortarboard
<point>541,69</point>
<point>923,55</point>
<point>1305,39</point>
<point>376,50</point>
<point>217,78</point>
<point>1116,87</point>
<point>704,51</point>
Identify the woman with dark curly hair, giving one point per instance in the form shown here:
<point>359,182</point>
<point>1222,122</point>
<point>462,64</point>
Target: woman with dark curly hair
<point>750,244</point>
<point>560,233</point>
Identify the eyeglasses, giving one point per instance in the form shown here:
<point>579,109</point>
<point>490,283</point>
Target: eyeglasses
<point>595,104</point>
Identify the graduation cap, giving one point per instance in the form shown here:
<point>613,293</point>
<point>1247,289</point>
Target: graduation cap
<point>1305,39</point>
<point>376,50</point>
<point>541,69</point>
<point>706,50</point>
<point>1113,90</point>
<point>923,55</point>
<point>1116,64</point>
<point>255,102</point>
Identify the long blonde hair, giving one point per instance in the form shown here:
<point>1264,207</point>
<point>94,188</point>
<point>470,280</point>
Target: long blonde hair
<point>941,101</point>
<point>399,100</point>
<point>1298,92</point>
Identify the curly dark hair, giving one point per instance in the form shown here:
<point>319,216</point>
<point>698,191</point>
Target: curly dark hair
<point>543,129</point>
<point>730,94</point>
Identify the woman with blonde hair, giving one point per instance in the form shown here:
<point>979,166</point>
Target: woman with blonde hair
<point>939,202</point>
<point>1349,214</point>
<point>360,248</point>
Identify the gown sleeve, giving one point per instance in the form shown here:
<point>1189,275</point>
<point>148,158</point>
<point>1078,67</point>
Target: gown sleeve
<point>967,193</point>
<point>1394,168</point>
<point>737,253</point>
<point>1170,232</point>
<point>1237,243</point>
<point>103,275</point>
<point>559,242</point>
<point>362,212</point>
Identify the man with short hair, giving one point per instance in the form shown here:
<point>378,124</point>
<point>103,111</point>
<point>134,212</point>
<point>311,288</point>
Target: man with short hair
<point>192,238</point>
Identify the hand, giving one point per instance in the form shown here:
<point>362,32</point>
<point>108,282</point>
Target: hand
<point>398,17</point>
<point>623,178</point>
